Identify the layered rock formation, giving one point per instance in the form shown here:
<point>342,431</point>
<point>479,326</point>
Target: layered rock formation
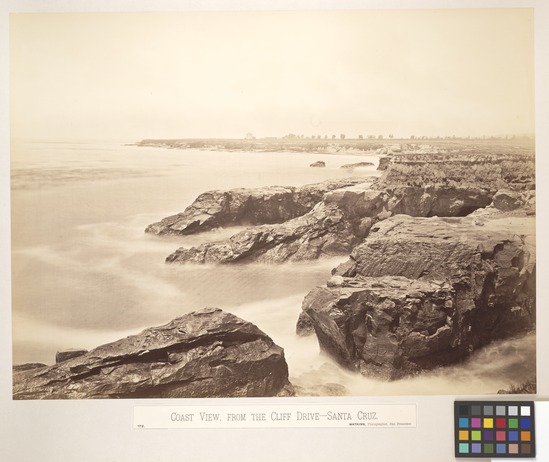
<point>332,217</point>
<point>425,292</point>
<point>490,170</point>
<point>335,225</point>
<point>208,353</point>
<point>246,206</point>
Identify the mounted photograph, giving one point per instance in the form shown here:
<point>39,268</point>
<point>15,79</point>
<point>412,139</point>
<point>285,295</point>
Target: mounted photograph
<point>216,204</point>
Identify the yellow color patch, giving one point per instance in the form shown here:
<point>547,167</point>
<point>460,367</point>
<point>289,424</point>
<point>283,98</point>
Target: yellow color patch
<point>488,423</point>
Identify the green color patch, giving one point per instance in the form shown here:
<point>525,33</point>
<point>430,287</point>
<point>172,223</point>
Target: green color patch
<point>512,423</point>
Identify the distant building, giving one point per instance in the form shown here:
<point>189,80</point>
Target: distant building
<point>250,136</point>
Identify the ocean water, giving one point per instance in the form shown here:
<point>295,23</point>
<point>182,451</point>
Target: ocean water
<point>85,273</point>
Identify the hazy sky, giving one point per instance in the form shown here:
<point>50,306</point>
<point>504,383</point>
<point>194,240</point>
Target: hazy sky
<point>223,74</point>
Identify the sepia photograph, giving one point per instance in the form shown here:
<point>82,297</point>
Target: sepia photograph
<point>298,203</point>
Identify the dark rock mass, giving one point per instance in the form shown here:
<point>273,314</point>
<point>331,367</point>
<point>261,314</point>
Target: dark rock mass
<point>318,163</point>
<point>335,225</point>
<point>384,162</point>
<point>207,353</point>
<point>425,292</point>
<point>70,353</point>
<point>304,326</point>
<point>246,206</point>
<point>331,218</point>
<point>507,200</point>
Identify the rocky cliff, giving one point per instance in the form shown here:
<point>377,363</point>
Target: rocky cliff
<point>246,206</point>
<point>335,225</point>
<point>331,218</point>
<point>491,171</point>
<point>207,353</point>
<point>425,292</point>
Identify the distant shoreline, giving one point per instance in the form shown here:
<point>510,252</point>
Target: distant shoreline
<point>339,146</point>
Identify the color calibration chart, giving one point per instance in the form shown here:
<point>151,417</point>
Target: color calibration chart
<point>494,429</point>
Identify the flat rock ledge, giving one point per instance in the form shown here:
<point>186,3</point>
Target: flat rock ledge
<point>420,293</point>
<point>205,354</point>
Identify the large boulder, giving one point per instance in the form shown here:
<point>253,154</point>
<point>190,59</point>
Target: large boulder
<point>425,292</point>
<point>507,200</point>
<point>207,353</point>
<point>436,200</point>
<point>246,206</point>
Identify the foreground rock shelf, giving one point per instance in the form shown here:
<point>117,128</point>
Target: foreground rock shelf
<point>424,292</point>
<point>207,353</point>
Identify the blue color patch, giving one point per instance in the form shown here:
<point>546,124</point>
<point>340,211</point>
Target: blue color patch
<point>501,448</point>
<point>525,422</point>
<point>463,422</point>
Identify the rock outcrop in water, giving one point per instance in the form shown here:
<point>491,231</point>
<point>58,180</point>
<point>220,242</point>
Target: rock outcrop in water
<point>352,167</point>
<point>335,225</point>
<point>420,185</point>
<point>331,218</point>
<point>425,292</point>
<point>246,206</point>
<point>208,353</point>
